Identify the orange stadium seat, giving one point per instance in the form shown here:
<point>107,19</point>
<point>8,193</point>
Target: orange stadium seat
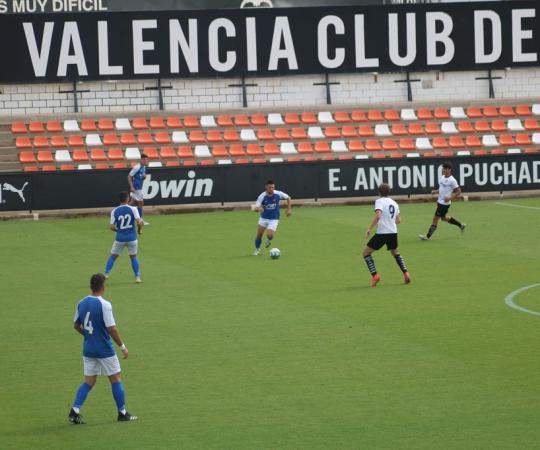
<point>145,138</point>
<point>177,163</point>
<point>322,147</point>
<point>36,127</point>
<point>473,141</point>
<point>392,114</point>
<point>429,154</point>
<point>389,144</point>
<point>358,116</point>
<point>191,122</point>
<point>372,145</point>
<point>254,150</point>
<point>396,155</point>
<point>67,167</point>
<point>30,169</point>
<point>174,122</point>
<point>456,142</point>
<point>271,149</point>
<point>309,118</point>
<point>219,151</point>
<point>291,118</point>
<point>465,127</point>
<point>157,123</point>
<point>349,131</point>
<point>27,157</point>
<point>118,166</point>
<point>441,113</point>
<point>169,153</point>
<point>162,138</point>
<point>424,114</point>
<point>110,139</point>
<point>54,126</point>
<point>399,129</point>
<point>490,111</point>
<point>242,120</point>
<point>439,142</point>
<point>332,132</point>
<point>48,168</point>
<point>231,136</point>
<point>433,128</point>
<point>97,154</point>
<point>356,146</point>
<point>479,152</point>
<point>305,147</point>
<point>299,133</point>
<point>506,139</point>
<point>531,124</point>
<point>259,120</point>
<point>23,142</point>
<point>507,111</point>
<point>88,125</point>
<point>264,134</point>
<point>115,154</point>
<point>45,156</point>
<point>80,155</point>
<point>531,150</point>
<point>105,125</point>
<point>379,156</point>
<point>281,133</point>
<point>185,151</point>
<point>497,151</point>
<point>365,131</point>
<point>18,127</point>
<point>128,139</point>
<point>236,150</point>
<point>241,161</point>
<point>341,117</point>
<point>407,144</point>
<point>214,136</point>
<point>58,141</point>
<point>139,123</point>
<point>258,161</point>
<point>207,162</point>
<point>225,121</point>
<point>41,142</point>
<point>101,166</point>
<point>375,115</point>
<point>523,139</point>
<point>523,110</point>
<point>482,126</point>
<point>151,152</point>
<point>499,125</point>
<point>473,112</point>
<point>416,129</point>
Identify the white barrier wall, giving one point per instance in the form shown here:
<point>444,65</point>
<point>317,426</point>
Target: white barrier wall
<point>271,92</point>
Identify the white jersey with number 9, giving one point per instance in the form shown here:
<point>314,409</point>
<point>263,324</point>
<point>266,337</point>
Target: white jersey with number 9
<point>389,209</point>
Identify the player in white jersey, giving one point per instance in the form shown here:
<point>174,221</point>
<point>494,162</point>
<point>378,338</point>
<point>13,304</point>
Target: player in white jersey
<point>448,190</point>
<point>387,217</point>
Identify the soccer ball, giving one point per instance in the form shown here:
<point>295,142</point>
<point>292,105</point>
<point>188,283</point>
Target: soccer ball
<point>275,253</point>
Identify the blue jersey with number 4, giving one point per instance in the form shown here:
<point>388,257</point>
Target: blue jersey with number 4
<point>95,315</point>
<point>124,218</point>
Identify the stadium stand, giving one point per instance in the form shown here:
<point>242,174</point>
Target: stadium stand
<point>102,143</point>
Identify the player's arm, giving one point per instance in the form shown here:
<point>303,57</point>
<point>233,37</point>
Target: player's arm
<point>398,219</point>
<point>289,206</point>
<point>257,207</point>
<point>374,222</point>
<point>140,224</point>
<point>78,328</point>
<point>435,191</point>
<point>130,182</point>
<point>115,334</point>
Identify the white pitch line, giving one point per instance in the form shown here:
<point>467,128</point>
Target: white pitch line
<point>509,300</point>
<point>513,205</point>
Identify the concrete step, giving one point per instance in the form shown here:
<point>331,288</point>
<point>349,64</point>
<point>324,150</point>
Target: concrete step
<point>10,167</point>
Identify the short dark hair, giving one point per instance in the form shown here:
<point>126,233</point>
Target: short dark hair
<point>269,182</point>
<point>123,196</point>
<point>144,155</point>
<point>384,189</point>
<point>447,165</point>
<point>97,282</point>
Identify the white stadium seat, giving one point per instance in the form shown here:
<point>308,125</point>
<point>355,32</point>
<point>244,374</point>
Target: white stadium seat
<point>287,148</point>
<point>513,151</point>
<point>457,112</point>
<point>339,146</point>
<point>315,133</point>
<point>71,125</point>
<point>325,117</point>
<point>132,153</point>
<point>275,119</point>
<point>464,153</point>
<point>180,137</point>
<point>489,140</point>
<point>62,156</point>
<point>122,124</point>
<point>361,157</point>
<point>84,167</point>
<point>208,121</point>
<point>536,138</point>
<point>515,125</point>
<point>449,128</point>
<point>413,155</point>
<point>248,134</point>
<point>381,129</point>
<point>202,151</point>
<point>276,160</point>
<point>536,109</point>
<point>408,114</point>
<point>224,161</point>
<point>155,164</point>
<point>423,144</point>
<point>93,139</point>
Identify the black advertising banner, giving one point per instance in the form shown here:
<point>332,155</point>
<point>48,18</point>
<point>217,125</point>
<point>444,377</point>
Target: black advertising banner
<point>242,183</point>
<point>268,41</point>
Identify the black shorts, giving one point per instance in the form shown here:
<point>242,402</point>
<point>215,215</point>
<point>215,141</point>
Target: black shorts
<point>378,240</point>
<point>442,210</point>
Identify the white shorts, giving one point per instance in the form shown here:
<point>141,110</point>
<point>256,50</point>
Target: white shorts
<point>101,366</point>
<point>269,223</point>
<point>132,247</point>
<point>137,195</point>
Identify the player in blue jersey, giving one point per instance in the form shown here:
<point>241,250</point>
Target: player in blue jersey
<point>135,180</point>
<point>94,320</point>
<point>126,223</point>
<point>268,205</point>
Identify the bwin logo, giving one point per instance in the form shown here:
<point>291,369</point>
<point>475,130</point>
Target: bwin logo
<point>10,188</point>
<point>256,4</point>
<point>178,188</point>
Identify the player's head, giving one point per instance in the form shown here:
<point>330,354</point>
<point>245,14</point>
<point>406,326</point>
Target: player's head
<point>270,186</point>
<point>144,159</point>
<point>384,190</point>
<point>97,283</point>
<point>123,196</point>
<point>447,169</point>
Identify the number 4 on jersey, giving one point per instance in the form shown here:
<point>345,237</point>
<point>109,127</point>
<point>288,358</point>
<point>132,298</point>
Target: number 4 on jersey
<point>88,323</point>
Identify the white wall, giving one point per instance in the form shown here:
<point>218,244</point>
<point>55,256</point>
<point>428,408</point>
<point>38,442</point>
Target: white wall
<point>271,92</point>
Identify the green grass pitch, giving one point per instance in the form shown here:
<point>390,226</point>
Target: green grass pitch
<point>232,351</point>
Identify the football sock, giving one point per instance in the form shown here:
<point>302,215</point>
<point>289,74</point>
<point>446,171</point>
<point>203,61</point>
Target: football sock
<point>454,222</point>
<point>119,395</point>
<point>80,397</point>
<point>401,263</point>
<point>370,264</point>
<point>258,243</point>
<point>431,230</point>
<point>135,267</point>
<point>110,264</point>
<point>140,211</point>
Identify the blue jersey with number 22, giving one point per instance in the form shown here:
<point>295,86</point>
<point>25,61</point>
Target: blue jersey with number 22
<point>95,315</point>
<point>124,217</point>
